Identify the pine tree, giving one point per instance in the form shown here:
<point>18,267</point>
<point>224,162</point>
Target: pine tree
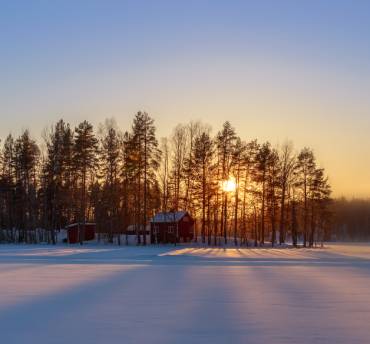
<point>7,187</point>
<point>55,187</point>
<point>249,158</point>
<point>319,195</point>
<point>128,180</point>
<point>272,186</point>
<point>164,175</point>
<point>287,161</point>
<point>111,153</point>
<point>203,155</point>
<point>237,165</point>
<point>147,152</point>
<point>193,131</point>
<point>305,169</point>
<point>225,144</point>
<point>26,156</point>
<point>263,158</point>
<point>85,162</point>
<point>179,149</point>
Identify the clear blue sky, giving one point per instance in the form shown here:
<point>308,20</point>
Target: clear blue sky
<point>277,70</point>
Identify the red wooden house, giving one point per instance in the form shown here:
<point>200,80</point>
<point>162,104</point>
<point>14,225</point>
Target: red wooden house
<point>171,227</point>
<point>75,230</point>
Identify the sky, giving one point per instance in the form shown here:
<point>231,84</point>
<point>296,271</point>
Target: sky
<point>277,70</point>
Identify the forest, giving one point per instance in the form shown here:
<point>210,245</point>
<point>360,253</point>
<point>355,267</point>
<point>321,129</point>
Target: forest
<point>240,192</point>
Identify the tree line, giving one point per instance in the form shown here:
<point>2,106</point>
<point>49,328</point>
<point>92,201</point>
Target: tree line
<point>351,219</point>
<point>244,192</point>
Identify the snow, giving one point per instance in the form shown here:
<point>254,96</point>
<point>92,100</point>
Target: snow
<point>165,294</point>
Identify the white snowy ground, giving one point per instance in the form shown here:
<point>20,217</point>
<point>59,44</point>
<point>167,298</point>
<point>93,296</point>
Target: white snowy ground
<point>103,294</point>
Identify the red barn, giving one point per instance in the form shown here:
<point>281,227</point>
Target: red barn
<point>86,231</point>
<point>171,227</point>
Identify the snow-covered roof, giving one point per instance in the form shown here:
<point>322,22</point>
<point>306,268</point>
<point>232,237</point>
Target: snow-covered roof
<point>81,224</point>
<point>168,216</point>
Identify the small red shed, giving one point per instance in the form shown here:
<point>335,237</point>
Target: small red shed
<point>75,230</point>
<point>171,227</point>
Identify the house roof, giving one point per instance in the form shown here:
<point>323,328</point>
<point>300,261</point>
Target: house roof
<point>168,217</point>
<point>81,224</point>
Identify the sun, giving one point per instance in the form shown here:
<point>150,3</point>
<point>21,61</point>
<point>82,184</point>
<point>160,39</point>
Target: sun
<point>228,185</point>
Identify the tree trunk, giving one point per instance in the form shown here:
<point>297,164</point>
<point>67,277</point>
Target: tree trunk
<point>145,187</point>
<point>236,207</point>
<point>294,225</point>
<point>282,217</point>
<point>312,231</point>
<point>305,215</point>
<point>262,238</point>
<point>203,203</point>
<point>225,219</point>
<point>83,209</point>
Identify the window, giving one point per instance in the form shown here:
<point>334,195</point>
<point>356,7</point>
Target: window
<point>171,229</point>
<point>156,229</point>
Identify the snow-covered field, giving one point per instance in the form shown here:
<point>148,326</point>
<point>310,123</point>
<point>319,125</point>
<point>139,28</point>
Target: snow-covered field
<point>106,294</point>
